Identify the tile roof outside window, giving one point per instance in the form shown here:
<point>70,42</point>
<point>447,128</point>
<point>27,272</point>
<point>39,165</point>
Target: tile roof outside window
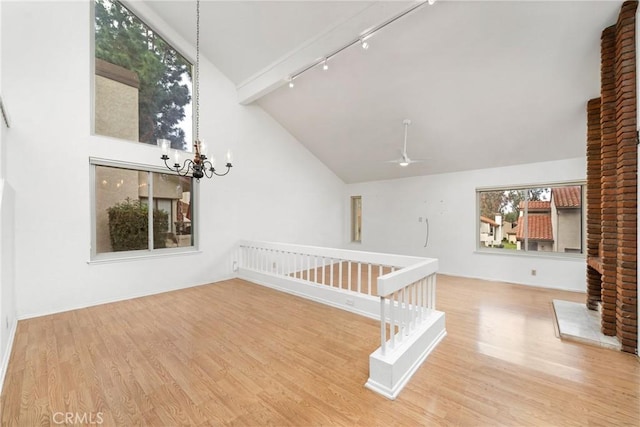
<point>567,197</point>
<point>538,225</point>
<point>535,205</point>
<point>488,221</point>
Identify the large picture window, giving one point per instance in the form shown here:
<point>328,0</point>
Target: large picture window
<point>143,86</point>
<point>138,210</point>
<point>547,218</point>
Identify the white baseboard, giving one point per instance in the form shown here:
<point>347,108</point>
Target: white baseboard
<point>7,353</point>
<point>25,316</point>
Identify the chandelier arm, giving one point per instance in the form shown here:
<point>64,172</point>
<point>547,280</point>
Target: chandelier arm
<point>207,168</point>
<point>183,170</point>
<point>229,166</point>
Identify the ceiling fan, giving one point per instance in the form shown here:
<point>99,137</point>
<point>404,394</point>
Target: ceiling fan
<point>404,159</point>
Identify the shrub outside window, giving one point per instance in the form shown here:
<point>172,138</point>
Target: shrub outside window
<point>143,86</point>
<point>140,211</point>
<point>546,218</point>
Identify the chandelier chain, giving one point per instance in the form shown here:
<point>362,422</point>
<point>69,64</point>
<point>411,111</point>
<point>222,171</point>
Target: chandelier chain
<point>200,166</point>
<point>197,72</point>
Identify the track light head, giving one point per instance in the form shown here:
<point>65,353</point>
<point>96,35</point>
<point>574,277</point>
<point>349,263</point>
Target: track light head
<point>291,84</point>
<point>431,2</point>
<point>325,66</point>
<point>364,44</point>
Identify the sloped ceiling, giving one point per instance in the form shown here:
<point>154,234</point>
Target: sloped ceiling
<point>485,84</point>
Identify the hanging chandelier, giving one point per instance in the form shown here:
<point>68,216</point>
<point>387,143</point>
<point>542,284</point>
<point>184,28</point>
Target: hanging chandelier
<point>200,166</point>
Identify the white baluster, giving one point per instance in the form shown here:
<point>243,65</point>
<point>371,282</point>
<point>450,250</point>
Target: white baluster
<point>405,293</point>
<point>359,278</point>
<point>414,290</point>
<point>392,319</point>
<point>322,279</point>
<point>349,275</point>
<point>331,272</point>
<point>315,269</point>
<point>254,263</point>
<point>369,279</point>
<point>422,300</point>
<point>340,274</point>
<point>433,291</point>
<point>383,327</point>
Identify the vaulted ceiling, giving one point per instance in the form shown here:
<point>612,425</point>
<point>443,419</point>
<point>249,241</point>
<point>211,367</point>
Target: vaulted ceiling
<point>485,84</point>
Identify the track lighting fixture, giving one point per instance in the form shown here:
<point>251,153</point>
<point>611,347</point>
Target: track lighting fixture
<point>362,40</point>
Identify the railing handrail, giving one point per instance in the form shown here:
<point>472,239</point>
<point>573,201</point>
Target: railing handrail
<point>399,279</point>
<point>343,254</point>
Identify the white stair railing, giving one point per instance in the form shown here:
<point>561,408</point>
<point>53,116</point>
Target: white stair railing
<point>407,298</point>
<point>354,271</point>
<point>397,290</point>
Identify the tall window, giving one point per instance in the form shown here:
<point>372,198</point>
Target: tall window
<point>143,85</point>
<point>138,210</point>
<point>545,218</point>
<point>356,218</point>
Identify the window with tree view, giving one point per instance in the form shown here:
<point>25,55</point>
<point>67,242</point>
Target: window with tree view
<point>143,85</point>
<point>534,219</point>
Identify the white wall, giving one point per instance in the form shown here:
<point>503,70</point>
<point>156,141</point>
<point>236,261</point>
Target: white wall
<point>7,300</point>
<point>391,211</point>
<point>7,290</point>
<point>276,191</point>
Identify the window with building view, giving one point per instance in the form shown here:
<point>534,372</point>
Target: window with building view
<point>533,219</point>
<point>143,86</point>
<point>137,210</point>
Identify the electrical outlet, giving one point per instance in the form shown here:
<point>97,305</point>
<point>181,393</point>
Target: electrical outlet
<point>350,301</point>
<point>534,272</point>
<point>419,219</point>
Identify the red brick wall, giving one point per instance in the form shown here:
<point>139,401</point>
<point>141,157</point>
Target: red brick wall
<point>612,162</point>
<point>609,192</point>
<point>626,177</point>
<point>594,216</point>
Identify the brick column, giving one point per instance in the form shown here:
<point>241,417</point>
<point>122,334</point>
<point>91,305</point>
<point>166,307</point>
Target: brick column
<point>594,217</point>
<point>626,178</point>
<point>608,154</point>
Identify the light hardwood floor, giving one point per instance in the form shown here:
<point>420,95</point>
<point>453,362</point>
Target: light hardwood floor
<point>234,353</point>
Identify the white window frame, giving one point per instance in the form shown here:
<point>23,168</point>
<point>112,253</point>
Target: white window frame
<point>525,252</point>
<point>151,251</point>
